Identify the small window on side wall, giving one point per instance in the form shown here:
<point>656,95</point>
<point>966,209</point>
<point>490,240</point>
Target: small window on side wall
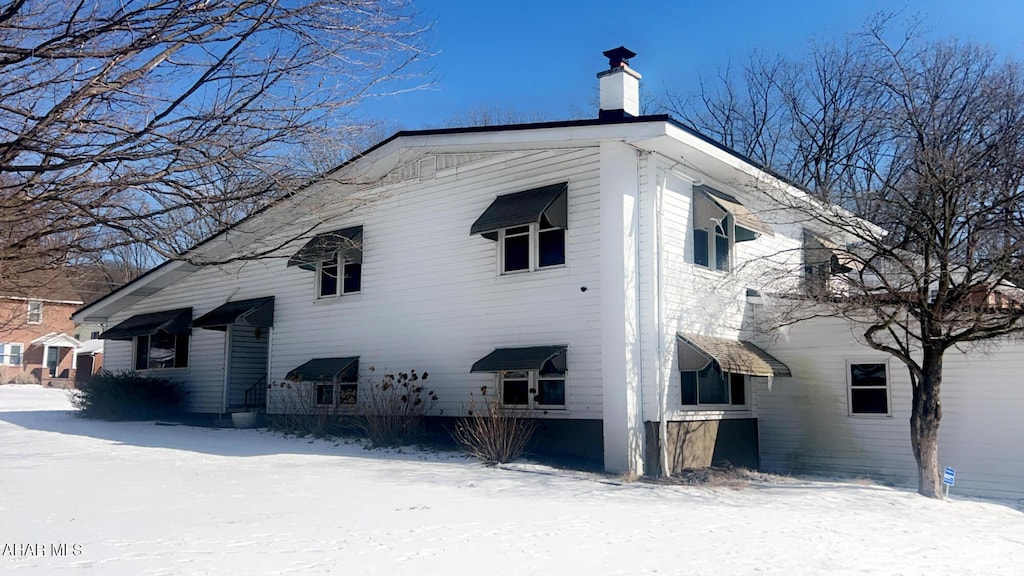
<point>35,312</point>
<point>711,386</point>
<point>869,389</point>
<point>339,276</point>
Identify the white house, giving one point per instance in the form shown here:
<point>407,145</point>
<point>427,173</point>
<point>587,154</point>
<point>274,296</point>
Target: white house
<point>601,273</point>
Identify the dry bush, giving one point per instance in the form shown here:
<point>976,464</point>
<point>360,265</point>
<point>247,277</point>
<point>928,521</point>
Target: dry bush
<point>303,417</point>
<point>492,433</point>
<point>393,408</point>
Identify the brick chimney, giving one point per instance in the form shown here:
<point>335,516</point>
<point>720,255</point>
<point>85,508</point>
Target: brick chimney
<point>620,86</point>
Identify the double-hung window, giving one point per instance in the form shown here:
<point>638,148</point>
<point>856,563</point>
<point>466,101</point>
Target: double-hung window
<point>530,228</point>
<point>10,354</point>
<point>869,388</point>
<point>337,259</point>
<point>35,312</point>
<point>711,386</point>
<point>161,350</point>
<point>719,222</point>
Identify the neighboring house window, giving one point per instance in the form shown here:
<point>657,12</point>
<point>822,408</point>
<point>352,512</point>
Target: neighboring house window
<point>869,388</point>
<point>542,389</point>
<point>35,312</point>
<point>338,276</point>
<point>713,387</point>
<point>10,354</point>
<point>161,350</point>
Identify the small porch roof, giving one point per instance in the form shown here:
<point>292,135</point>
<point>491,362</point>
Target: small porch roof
<point>327,369</point>
<point>170,321</point>
<point>252,312</point>
<point>56,340</point>
<point>737,356</point>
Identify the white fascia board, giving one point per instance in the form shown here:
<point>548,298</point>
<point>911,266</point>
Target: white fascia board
<point>712,162</point>
<point>134,292</point>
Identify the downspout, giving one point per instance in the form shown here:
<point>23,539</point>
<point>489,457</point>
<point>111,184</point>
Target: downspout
<point>227,368</point>
<point>638,214</point>
<point>662,384</point>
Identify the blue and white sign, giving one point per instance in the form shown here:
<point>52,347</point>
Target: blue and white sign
<point>949,476</point>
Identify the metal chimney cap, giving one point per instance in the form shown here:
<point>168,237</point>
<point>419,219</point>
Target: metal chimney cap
<point>618,56</point>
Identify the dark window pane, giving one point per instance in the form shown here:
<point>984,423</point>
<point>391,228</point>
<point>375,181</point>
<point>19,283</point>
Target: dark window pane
<point>347,393</point>
<point>142,352</point>
<point>712,387</point>
<point>700,247</point>
<point>329,280</point>
<point>325,393</point>
<point>181,351</point>
<point>552,247</point>
<point>161,350</point>
<point>551,392</point>
<point>353,278</point>
<point>515,392</point>
<point>689,380</point>
<point>517,231</point>
<point>517,253</point>
<point>721,252</point>
<point>870,401</point>
<point>738,390</point>
<point>867,375</point>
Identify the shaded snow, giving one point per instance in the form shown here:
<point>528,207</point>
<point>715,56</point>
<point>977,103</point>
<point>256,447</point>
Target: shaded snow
<point>141,499</point>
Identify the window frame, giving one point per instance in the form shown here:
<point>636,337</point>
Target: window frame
<point>534,247</point>
<point>850,363</point>
<point>726,229</point>
<point>343,264</point>
<point>6,355</point>
<point>136,343</point>
<point>38,312</point>
<point>533,378</point>
<point>728,378</point>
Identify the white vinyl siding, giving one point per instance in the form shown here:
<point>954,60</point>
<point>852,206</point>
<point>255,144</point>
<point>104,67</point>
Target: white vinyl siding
<point>429,301</point>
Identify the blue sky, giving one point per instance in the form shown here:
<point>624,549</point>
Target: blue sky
<point>541,56</point>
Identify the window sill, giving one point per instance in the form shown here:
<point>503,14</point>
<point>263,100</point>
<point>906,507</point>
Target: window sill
<point>548,412</point>
<point>869,416</point>
<point>329,300</point>
<point>697,414</point>
<point>527,273</point>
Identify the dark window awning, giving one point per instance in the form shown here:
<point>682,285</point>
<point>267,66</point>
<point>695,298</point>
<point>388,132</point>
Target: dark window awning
<point>722,203</point>
<point>251,312</point>
<point>327,369</point>
<point>736,356</point>
<point>169,321</point>
<point>529,358</point>
<point>527,207</point>
<point>323,247</point>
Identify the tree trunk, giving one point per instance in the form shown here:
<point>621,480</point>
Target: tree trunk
<point>924,425</point>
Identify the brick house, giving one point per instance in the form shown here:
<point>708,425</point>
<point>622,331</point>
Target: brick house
<point>36,328</point>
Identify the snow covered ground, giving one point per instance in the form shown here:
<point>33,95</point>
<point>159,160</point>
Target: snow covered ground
<point>140,499</point>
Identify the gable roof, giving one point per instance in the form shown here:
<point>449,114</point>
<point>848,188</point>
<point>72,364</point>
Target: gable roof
<point>656,132</point>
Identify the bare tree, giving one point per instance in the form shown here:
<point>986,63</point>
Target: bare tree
<point>157,123</point>
<point>926,138</point>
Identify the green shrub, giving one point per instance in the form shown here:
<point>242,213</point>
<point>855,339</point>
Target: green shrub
<point>127,395</point>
